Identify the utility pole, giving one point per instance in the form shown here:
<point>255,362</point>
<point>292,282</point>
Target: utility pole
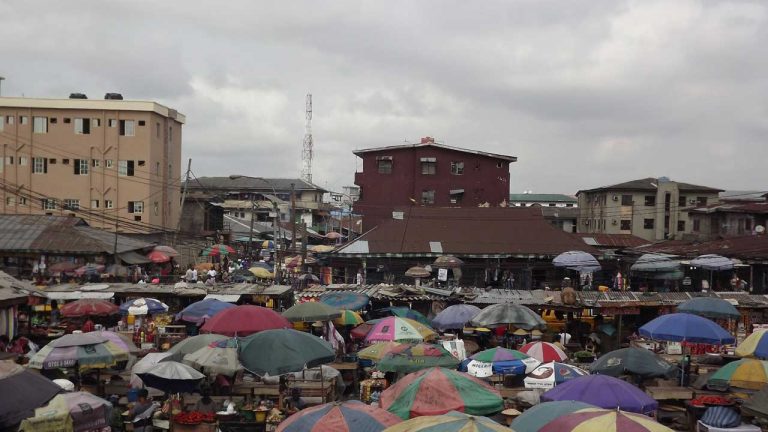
<point>183,199</point>
<point>303,247</point>
<point>293,217</point>
<point>277,240</point>
<point>253,217</point>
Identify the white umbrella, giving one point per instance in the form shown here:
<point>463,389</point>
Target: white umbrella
<point>577,260</point>
<point>712,262</point>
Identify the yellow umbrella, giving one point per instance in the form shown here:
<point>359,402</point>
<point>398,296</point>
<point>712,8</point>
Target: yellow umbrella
<point>261,273</point>
<point>349,317</point>
<point>755,345</point>
<point>377,351</point>
<point>321,248</point>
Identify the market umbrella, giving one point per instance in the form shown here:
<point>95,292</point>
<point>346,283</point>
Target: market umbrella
<point>655,263</point>
<point>244,320</point>
<point>577,260</point>
<point>146,364</point>
<point>605,392</point>
<point>166,250</point>
<point>124,342</point>
<point>267,244</point>
<point>452,421</point>
<point>362,330</point>
<point>448,261</point>
<point>536,417</point>
<point>289,351</point>
<point>143,306</point>
<point>399,330</point>
<point>172,377</point>
<point>349,416</point>
<point>633,361</point>
<point>710,307</point>
<point>437,391</point>
<point>348,317</point>
<point>503,361</point>
<point>757,405</point>
<point>417,272</point>
<point>194,343</point>
<point>455,317</point>
<point>311,311</point>
<point>377,351</point>
<point>405,312</point>
<point>217,358</point>
<point>261,264</point>
<point>595,419</point>
<point>89,269</point>
<point>158,257</point>
<point>544,352</point>
<point>408,358</point>
<point>346,300</point>
<point>712,262</point>
<point>202,310</point>
<point>22,392</point>
<point>63,267</point>
<point>309,278</point>
<point>748,374</point>
<point>333,235</point>
<point>684,327</point>
<point>88,307</point>
<point>509,313</point>
<point>85,350</point>
<point>261,273</point>
<point>218,250</point>
<point>79,411</point>
<point>549,375</point>
<point>755,345</point>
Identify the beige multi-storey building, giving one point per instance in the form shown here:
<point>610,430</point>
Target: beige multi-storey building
<point>111,162</point>
<point>649,208</point>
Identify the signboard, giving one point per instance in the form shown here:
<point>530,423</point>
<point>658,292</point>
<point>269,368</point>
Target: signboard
<point>480,369</point>
<point>687,281</point>
<point>620,311</point>
<point>442,274</point>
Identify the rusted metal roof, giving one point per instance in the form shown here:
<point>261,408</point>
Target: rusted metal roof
<point>747,247</point>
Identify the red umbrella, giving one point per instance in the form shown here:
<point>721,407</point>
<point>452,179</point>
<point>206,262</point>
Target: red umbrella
<point>85,307</point>
<point>245,320</point>
<point>157,256</point>
<point>171,252</point>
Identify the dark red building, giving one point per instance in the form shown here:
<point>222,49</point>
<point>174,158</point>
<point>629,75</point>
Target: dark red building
<point>428,174</point>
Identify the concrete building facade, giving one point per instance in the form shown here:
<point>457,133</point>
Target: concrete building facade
<point>114,163</point>
<point>649,208</point>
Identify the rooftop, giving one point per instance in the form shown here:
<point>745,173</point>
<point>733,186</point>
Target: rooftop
<point>736,195</point>
<point>734,207</point>
<point>619,241</point>
<point>253,183</point>
<point>435,145</point>
<point>749,247</point>
<point>532,197</point>
<point>649,184</point>
<point>93,104</point>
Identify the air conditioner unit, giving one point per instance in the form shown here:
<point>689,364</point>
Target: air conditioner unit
<point>615,198</point>
<point>615,222</point>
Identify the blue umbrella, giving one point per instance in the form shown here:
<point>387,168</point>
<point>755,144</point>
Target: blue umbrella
<point>710,307</point>
<point>655,263</point>
<point>346,300</point>
<point>455,317</point>
<point>404,312</point>
<point>143,306</point>
<point>199,311</point>
<point>576,260</point>
<point>684,327</point>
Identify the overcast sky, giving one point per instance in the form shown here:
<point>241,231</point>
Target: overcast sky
<point>585,93</point>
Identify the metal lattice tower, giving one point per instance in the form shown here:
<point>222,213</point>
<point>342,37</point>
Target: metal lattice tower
<point>306,154</point>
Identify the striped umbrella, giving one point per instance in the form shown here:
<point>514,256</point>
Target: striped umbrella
<point>86,351</point>
<point>536,417</point>
<point>745,373</point>
<point>143,306</point>
<point>548,375</point>
<point>218,250</point>
<point>404,312</point>
<point>377,351</point>
<point>88,307</point>
<point>595,419</point>
<point>504,361</point>
<point>217,358</point>
<point>755,345</point>
<point>349,416</point>
<point>437,391</point>
<point>544,352</point>
<point>267,244</point>
<point>452,421</point>
<point>399,330</point>
<point>411,358</point>
<point>348,317</point>
<point>311,311</point>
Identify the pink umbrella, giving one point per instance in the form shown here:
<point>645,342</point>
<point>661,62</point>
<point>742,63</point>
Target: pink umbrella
<point>158,257</point>
<point>244,320</point>
<point>171,252</point>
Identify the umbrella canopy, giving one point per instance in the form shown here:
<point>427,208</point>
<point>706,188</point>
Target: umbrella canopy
<point>89,307</point>
<point>534,418</point>
<point>509,313</point>
<point>503,361</point>
<point>712,262</point>
<point>263,265</point>
<point>399,330</point>
<point>447,261</point>
<point>437,391</point>
<point>79,410</point>
<point>262,273</point>
<point>549,375</point>
<point>85,350</point>
<point>417,272</point>
<point>218,250</point>
<point>577,260</point>
<point>348,317</point>
<point>655,263</point>
<point>684,327</point>
<point>310,278</point>
<point>244,320</point>
<point>405,312</point>
<point>23,391</point>
<point>409,358</point>
<point>143,306</point>
<point>544,352</point>
<point>710,307</point>
<point>349,416</point>
<point>604,420</point>
<point>346,300</point>
<point>311,311</point>
<point>146,364</point>
<point>172,377</point>
<point>748,374</point>
<point>452,421</point>
<point>757,405</point>
<point>362,330</point>
<point>158,257</point>
<point>267,244</point>
<point>633,361</point>
<point>217,358</point>
<point>166,250</point>
<point>289,351</point>
<point>194,343</point>
<point>755,345</point>
<point>124,342</point>
<point>605,392</point>
<point>202,310</point>
<point>63,267</point>
<point>333,235</point>
<point>377,351</point>
<point>89,269</point>
<point>455,317</point>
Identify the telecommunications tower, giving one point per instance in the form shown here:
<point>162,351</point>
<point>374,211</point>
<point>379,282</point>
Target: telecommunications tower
<point>306,154</point>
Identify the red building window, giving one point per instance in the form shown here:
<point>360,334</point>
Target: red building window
<point>429,166</point>
<point>428,197</point>
<point>384,164</point>
<point>457,168</point>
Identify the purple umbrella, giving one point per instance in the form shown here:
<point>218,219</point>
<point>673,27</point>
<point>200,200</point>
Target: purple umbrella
<point>88,411</point>
<point>455,317</point>
<point>603,391</point>
<point>202,310</point>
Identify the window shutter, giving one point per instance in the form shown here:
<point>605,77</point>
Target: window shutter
<point>45,165</point>
<point>86,126</point>
<point>130,168</point>
<point>130,206</point>
<point>77,166</point>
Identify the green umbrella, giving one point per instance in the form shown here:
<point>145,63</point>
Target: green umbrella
<point>192,344</point>
<point>536,417</point>
<point>311,311</point>
<point>404,312</point>
<point>409,358</point>
<point>281,351</point>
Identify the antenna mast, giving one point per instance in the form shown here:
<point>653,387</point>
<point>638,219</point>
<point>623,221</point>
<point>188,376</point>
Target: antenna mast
<point>306,154</point>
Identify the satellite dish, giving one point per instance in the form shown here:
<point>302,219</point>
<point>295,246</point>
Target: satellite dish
<point>759,229</point>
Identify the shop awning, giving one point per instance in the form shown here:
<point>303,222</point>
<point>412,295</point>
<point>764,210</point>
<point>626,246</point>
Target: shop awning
<point>75,295</point>
<point>229,298</point>
<point>133,258</point>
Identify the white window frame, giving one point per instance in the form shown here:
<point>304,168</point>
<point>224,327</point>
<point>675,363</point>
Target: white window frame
<point>109,163</point>
<point>71,204</point>
<point>23,120</point>
<point>83,165</point>
<point>9,120</point>
<point>49,204</point>
<point>94,204</point>
<point>95,122</point>
<point>112,123</point>
<point>79,126</point>
<point>138,207</point>
<point>39,165</point>
<point>128,128</point>
<point>96,163</point>
<point>108,204</point>
<point>10,201</point>
<point>122,168</point>
<point>22,201</point>
<point>23,160</point>
<point>40,125</point>
<point>2,123</point>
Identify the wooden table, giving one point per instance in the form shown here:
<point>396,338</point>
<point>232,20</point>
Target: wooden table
<point>670,393</point>
<point>349,366</point>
